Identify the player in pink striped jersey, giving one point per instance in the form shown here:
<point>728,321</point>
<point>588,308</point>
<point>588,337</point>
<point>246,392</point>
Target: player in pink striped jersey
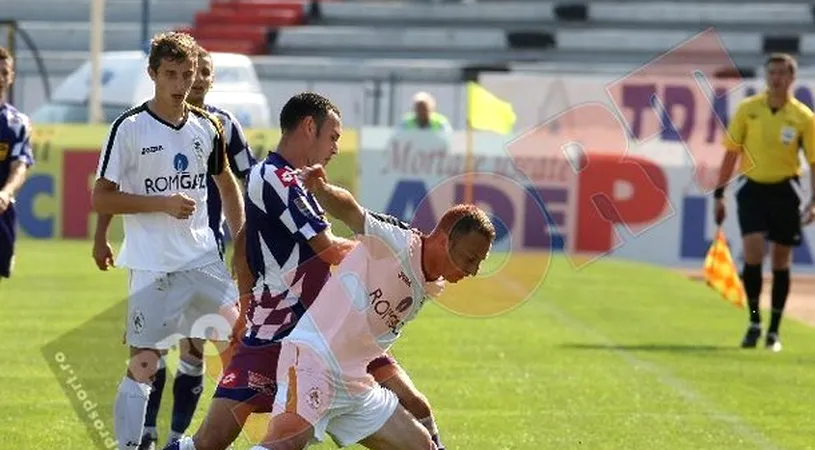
<point>323,385</point>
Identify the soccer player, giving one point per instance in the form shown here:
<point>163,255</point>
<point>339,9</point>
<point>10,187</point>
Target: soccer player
<point>323,387</point>
<point>290,249</point>
<point>767,132</point>
<point>15,159</point>
<point>188,382</point>
<point>154,170</point>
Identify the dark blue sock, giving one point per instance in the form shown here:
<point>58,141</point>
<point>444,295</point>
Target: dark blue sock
<point>154,402</point>
<point>187,388</point>
<point>437,441</point>
<point>173,446</point>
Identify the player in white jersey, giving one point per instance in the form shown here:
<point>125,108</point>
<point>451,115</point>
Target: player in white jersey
<point>323,385</point>
<point>189,379</point>
<point>153,170</point>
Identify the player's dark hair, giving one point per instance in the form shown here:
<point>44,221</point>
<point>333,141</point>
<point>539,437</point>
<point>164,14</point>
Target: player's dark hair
<point>173,46</point>
<point>203,53</point>
<point>306,104</point>
<point>785,58</point>
<point>467,218</point>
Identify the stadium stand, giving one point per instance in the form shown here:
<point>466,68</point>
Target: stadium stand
<point>440,42</point>
<point>241,26</point>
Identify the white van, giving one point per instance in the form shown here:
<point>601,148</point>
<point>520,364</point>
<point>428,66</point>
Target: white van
<point>125,83</point>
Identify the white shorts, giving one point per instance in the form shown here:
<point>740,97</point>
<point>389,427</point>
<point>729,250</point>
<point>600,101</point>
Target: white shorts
<point>164,307</point>
<point>348,411</point>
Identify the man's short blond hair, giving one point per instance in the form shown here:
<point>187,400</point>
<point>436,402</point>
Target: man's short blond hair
<point>784,58</point>
<point>173,46</point>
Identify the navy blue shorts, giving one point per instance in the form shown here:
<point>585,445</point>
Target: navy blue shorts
<point>8,234</point>
<point>251,375</point>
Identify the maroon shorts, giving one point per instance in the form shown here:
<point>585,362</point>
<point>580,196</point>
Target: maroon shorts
<point>251,374</point>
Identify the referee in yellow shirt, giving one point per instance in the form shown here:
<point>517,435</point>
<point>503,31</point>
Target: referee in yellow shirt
<point>767,132</point>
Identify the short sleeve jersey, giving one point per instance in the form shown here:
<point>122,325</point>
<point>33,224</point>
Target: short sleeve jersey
<point>377,288</point>
<point>145,155</point>
<point>15,141</point>
<point>770,140</point>
<point>240,159</point>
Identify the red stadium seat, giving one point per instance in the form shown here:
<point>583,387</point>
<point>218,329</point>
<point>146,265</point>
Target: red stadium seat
<point>242,26</point>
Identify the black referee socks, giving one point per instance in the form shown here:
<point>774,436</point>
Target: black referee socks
<point>751,277</point>
<point>781,289</point>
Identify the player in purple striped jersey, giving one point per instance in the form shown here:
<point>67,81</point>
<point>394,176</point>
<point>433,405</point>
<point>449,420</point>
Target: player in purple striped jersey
<point>15,159</point>
<point>188,382</point>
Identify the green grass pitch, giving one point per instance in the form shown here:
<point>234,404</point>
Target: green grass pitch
<point>613,356</point>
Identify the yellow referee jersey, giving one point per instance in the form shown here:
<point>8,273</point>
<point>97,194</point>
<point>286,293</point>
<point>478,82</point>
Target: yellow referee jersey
<point>770,139</point>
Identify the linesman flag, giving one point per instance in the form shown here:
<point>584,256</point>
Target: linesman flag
<point>487,112</point>
<point>721,273</point>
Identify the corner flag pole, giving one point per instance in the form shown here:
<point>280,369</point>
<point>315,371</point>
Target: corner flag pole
<point>468,155</point>
<point>96,47</point>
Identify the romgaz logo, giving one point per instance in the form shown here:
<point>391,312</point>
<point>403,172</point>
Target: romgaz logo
<point>181,180</point>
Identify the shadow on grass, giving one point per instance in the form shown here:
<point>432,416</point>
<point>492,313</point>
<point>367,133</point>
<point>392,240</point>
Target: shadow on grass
<point>668,348</point>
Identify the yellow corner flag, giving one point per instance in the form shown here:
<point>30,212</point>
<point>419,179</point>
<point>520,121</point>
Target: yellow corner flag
<point>487,112</point>
<point>721,273</point>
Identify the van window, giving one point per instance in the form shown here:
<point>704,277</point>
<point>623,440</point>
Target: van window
<point>56,113</point>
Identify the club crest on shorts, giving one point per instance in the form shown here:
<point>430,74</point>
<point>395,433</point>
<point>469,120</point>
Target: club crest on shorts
<point>314,398</point>
<point>138,322</point>
<point>3,151</point>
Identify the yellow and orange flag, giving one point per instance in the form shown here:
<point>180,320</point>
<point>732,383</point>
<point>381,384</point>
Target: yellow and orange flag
<point>721,273</point>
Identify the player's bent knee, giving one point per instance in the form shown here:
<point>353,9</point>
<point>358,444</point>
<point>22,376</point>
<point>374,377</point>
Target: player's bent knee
<point>143,364</point>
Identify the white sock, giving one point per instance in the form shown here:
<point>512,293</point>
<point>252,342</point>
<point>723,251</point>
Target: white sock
<point>257,447</point>
<point>174,436</point>
<point>129,409</point>
<point>186,443</point>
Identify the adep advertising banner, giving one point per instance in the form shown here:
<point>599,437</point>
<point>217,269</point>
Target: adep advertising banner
<point>55,201</point>
<point>645,207</point>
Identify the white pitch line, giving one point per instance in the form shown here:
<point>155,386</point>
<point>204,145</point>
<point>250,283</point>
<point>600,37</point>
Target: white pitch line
<point>663,375</point>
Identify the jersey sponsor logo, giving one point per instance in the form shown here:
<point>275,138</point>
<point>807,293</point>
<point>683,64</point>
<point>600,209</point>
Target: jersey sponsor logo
<point>152,149</point>
<point>286,176</point>
<point>387,311</point>
<point>180,180</point>
<point>3,151</point>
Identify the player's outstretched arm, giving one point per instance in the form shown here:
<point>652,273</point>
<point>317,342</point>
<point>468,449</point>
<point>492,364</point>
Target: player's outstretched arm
<point>108,199</point>
<point>337,201</point>
<point>232,199</point>
<point>330,248</point>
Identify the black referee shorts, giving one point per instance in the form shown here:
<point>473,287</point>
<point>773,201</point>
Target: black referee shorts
<point>772,209</point>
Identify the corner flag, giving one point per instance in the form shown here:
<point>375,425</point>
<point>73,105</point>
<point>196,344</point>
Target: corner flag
<point>487,112</point>
<point>721,273</point>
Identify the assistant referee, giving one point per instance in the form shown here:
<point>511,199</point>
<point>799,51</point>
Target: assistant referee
<point>766,134</point>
